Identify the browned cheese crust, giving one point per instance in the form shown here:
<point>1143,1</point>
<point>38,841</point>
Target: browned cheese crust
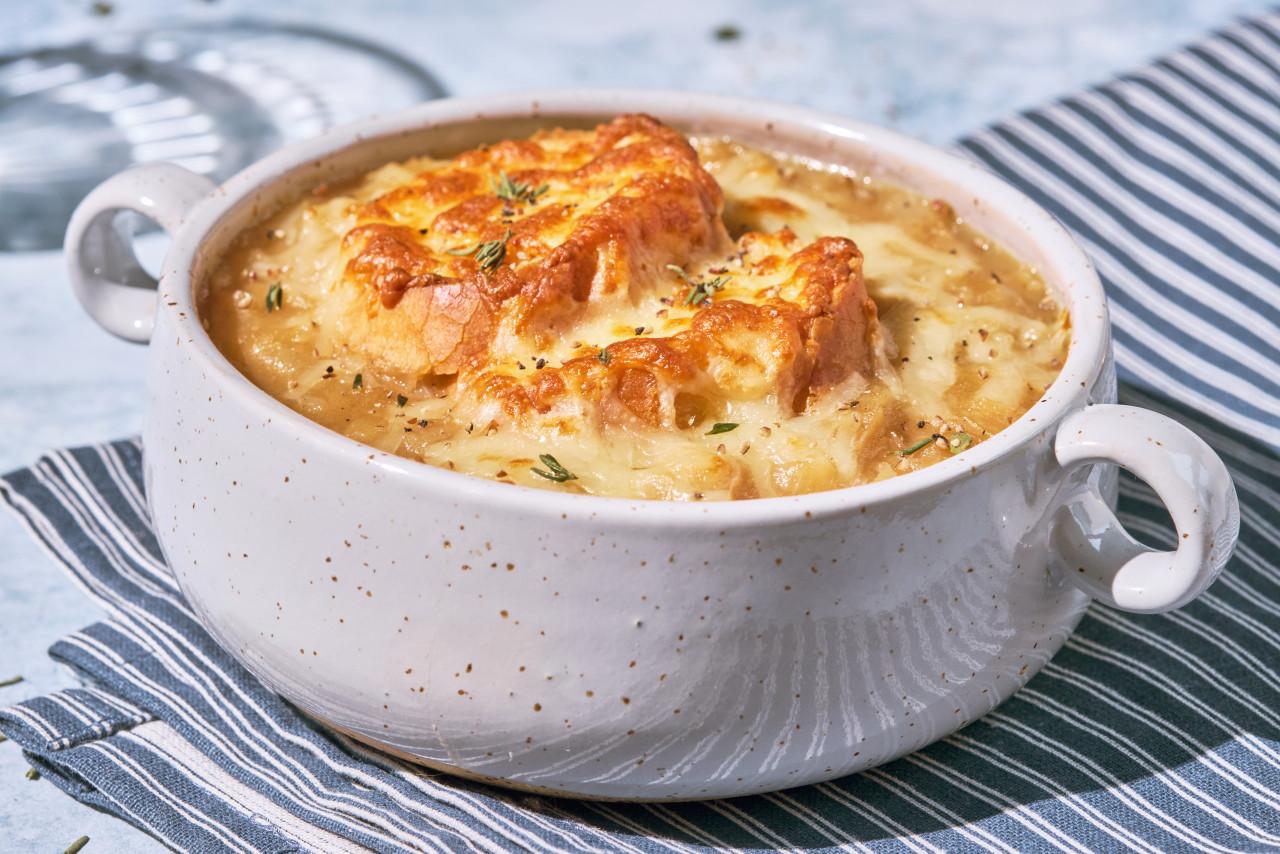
<point>758,348</point>
<point>600,220</point>
<point>619,201</point>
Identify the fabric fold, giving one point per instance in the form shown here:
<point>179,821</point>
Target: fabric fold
<point>70,718</point>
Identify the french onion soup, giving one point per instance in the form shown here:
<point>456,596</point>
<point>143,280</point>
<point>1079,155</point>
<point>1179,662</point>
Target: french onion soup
<point>628,312</point>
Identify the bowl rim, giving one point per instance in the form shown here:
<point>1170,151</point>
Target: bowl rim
<point>1081,289</point>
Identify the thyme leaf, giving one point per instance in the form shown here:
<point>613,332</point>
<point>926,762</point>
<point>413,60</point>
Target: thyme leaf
<point>699,292</point>
<point>275,297</point>
<point>679,271</point>
<point>959,441</point>
<point>704,290</point>
<point>722,427</point>
<point>401,400</point>
<point>604,356</point>
<point>558,472</point>
<point>11,681</point>
<point>74,847</point>
<point>515,191</point>
<point>906,452</point>
<point>488,254</point>
<point>358,382</point>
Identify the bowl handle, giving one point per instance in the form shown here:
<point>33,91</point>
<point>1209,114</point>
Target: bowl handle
<point>105,274</point>
<point>1101,558</point>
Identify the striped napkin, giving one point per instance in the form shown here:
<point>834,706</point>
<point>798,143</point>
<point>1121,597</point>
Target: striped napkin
<point>1145,733</point>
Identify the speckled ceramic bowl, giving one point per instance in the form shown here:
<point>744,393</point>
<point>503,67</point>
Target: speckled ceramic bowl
<point>631,649</point>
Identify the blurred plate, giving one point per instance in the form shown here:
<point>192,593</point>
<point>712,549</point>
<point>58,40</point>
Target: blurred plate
<point>210,97</point>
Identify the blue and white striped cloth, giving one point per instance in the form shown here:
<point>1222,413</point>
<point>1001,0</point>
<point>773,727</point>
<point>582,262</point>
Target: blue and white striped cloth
<point>1145,733</point>
<point>1170,178</point>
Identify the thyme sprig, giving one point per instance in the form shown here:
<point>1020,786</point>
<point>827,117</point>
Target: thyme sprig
<point>699,292</point>
<point>275,296</point>
<point>956,443</point>
<point>489,254</point>
<point>722,427</point>
<point>558,472</point>
<point>908,451</point>
<point>515,191</point>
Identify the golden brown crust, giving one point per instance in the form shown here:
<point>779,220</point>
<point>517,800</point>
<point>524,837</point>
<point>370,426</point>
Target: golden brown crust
<point>619,201</point>
<point>621,206</point>
<point>777,349</point>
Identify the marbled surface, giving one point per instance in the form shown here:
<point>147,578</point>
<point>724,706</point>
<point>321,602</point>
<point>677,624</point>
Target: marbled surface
<point>932,68</point>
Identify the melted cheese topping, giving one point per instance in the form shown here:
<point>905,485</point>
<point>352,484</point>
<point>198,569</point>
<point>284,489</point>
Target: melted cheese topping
<point>615,298</point>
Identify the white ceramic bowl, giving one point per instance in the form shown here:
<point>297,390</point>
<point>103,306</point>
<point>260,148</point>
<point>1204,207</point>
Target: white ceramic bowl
<point>631,649</point>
